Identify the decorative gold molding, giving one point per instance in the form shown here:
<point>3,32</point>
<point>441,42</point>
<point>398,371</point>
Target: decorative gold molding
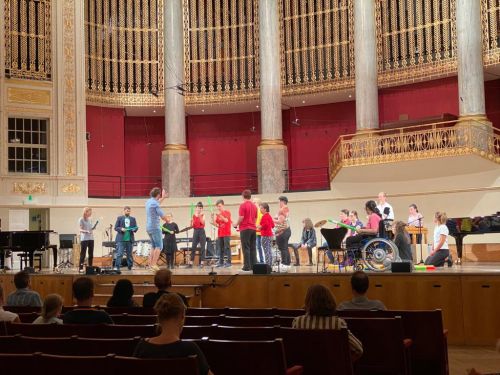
<point>69,87</point>
<point>271,142</point>
<point>29,187</point>
<point>71,188</point>
<point>28,96</point>
<point>477,118</point>
<point>174,147</point>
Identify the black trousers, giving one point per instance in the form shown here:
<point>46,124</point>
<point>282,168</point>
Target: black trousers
<point>199,237</point>
<point>248,238</point>
<point>296,248</point>
<point>282,242</point>
<point>87,244</point>
<point>223,245</point>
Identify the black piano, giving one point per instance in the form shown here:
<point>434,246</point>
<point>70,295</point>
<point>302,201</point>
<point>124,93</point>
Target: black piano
<point>460,227</point>
<point>27,242</point>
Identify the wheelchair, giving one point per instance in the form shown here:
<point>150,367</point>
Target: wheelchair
<point>376,253</point>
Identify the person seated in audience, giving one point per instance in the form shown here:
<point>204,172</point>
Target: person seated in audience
<point>163,281</point>
<point>122,294</point>
<point>171,312</point>
<point>23,296</point>
<point>440,251</point>
<point>84,313</point>
<point>402,241</point>
<point>7,316</point>
<point>51,309</point>
<point>320,306</point>
<point>359,301</point>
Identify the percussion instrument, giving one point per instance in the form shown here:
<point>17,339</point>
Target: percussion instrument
<point>320,223</point>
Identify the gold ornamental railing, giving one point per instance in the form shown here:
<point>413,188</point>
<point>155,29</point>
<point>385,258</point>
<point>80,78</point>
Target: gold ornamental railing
<point>415,39</point>
<point>28,40</point>
<point>491,31</point>
<point>415,143</point>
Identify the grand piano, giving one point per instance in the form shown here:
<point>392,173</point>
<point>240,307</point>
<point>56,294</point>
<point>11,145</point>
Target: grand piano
<point>460,227</point>
<point>27,242</point>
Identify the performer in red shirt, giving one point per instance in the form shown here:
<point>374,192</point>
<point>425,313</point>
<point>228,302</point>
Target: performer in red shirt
<point>199,236</point>
<point>246,221</point>
<point>266,231</point>
<point>222,220</point>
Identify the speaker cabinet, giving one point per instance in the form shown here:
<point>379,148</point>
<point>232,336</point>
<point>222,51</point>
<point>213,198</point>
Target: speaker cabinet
<point>261,269</point>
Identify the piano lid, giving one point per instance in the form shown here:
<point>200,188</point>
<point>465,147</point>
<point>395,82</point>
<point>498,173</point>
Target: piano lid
<point>474,225</point>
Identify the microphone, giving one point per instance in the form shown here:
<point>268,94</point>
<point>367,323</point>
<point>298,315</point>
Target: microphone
<point>387,211</point>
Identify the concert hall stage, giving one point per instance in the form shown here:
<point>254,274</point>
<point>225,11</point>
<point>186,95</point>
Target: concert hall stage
<point>467,294</point>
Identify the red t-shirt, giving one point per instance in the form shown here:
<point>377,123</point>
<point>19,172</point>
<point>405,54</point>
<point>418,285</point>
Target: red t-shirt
<point>267,225</point>
<point>197,222</point>
<point>224,228</point>
<point>373,221</point>
<point>249,212</point>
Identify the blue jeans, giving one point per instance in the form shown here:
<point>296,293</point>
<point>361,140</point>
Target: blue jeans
<point>258,242</point>
<point>156,239</point>
<point>122,246</point>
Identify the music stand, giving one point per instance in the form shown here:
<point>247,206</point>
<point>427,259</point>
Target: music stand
<point>66,242</point>
<point>334,238</point>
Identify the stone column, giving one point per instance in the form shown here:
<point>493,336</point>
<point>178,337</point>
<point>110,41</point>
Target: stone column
<point>272,154</point>
<point>365,61</point>
<point>470,60</point>
<point>175,155</point>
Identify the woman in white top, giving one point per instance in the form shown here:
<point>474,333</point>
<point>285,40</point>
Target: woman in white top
<point>51,309</point>
<point>440,250</point>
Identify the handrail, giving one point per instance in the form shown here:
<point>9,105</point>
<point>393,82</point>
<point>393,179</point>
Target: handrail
<point>415,142</point>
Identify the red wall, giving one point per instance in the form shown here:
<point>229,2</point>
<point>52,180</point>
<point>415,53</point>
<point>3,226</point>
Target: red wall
<point>144,141</point>
<point>227,145</point>
<point>105,150</point>
<point>492,98</point>
<point>419,100</point>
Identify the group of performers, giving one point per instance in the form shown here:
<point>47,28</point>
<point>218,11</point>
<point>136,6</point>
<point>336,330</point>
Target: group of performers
<point>258,229</point>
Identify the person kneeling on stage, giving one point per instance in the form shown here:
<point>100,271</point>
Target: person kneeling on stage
<point>440,251</point>
<point>168,344</point>
<point>370,229</point>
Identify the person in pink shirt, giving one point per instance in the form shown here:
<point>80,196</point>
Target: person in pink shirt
<point>266,231</point>
<point>370,229</point>
<point>246,222</point>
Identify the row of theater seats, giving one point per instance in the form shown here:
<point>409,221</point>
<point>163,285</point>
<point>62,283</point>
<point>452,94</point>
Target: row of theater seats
<point>394,341</point>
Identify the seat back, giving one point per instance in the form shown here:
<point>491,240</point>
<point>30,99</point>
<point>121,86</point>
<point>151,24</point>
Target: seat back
<point>288,312</point>
<point>245,357</point>
<point>197,332</point>
<point>257,321</point>
<point>28,317</point>
<point>204,311</point>
<point>429,349</point>
<point>311,348</point>
<point>248,312</point>
<point>23,309</point>
<point>170,366</point>
<point>192,320</point>
<point>244,333</point>
<point>334,237</point>
<point>129,319</point>
<point>384,349</point>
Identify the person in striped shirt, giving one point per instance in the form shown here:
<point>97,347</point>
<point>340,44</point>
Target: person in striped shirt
<point>320,309</point>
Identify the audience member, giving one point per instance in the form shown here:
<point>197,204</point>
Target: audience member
<point>7,316</point>
<point>359,301</point>
<point>171,313</point>
<point>122,294</point>
<point>320,309</point>
<point>163,281</point>
<point>23,296</point>
<point>84,313</point>
<point>51,309</point>
<point>402,241</point>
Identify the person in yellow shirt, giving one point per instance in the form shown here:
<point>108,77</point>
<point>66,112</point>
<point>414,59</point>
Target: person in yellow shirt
<point>258,242</point>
